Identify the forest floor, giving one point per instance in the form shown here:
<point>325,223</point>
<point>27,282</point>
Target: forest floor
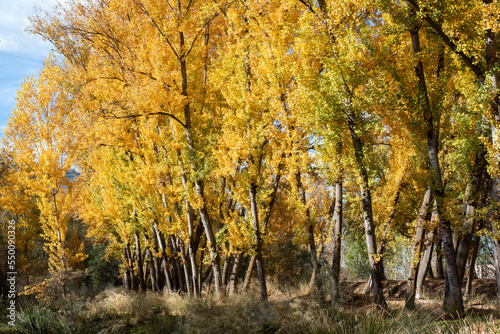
<point>288,311</point>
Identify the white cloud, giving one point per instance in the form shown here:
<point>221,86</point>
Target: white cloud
<point>14,19</point>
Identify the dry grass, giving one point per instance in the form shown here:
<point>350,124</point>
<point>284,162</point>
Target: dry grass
<point>290,311</point>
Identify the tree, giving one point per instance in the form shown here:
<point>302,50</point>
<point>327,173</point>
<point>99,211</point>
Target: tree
<point>41,139</point>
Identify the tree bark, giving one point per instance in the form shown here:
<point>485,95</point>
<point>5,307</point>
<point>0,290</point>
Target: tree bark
<point>140,271</point>
<point>438,259</point>
<point>211,243</point>
<point>366,199</point>
<point>315,281</point>
<point>472,263</point>
<point>248,275</point>
<point>156,260</point>
<point>491,61</point>
<point>133,283</point>
<point>191,244</point>
<point>126,277</point>
<point>258,243</point>
<point>164,260</point>
<point>472,202</point>
<point>453,304</point>
<point>225,270</point>
<point>152,268</point>
<point>423,217</point>
<point>337,241</point>
<point>233,279</point>
<point>496,246</point>
<point>185,265</point>
<point>425,262</point>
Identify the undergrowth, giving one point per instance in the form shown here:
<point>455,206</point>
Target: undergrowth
<point>115,311</point>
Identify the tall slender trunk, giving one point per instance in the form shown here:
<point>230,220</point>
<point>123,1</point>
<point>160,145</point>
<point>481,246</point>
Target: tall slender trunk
<point>126,277</point>
<point>185,266</point>
<point>133,283</point>
<point>496,255</point>
<point>156,259</point>
<point>258,243</point>
<point>199,185</point>
<point>337,240</point>
<point>315,281</point>
<point>225,270</point>
<point>140,271</point>
<point>233,279</point>
<point>192,237</point>
<point>178,268</point>
<point>366,199</point>
<point>471,204</point>
<point>393,204</point>
<point>417,248</point>
<point>211,243</point>
<point>164,260</point>
<point>472,263</point>
<point>424,267</point>
<point>491,60</point>
<point>438,259</point>
<point>152,268</point>
<point>248,275</point>
<point>200,271</point>
<point>453,303</point>
<point>265,224</point>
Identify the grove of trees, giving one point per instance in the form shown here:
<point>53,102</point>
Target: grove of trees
<point>205,132</point>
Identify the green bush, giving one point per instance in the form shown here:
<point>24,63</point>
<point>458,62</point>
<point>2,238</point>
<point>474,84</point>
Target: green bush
<point>100,271</point>
<point>37,319</point>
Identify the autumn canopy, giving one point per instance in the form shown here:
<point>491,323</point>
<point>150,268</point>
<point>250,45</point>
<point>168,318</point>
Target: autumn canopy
<point>194,137</point>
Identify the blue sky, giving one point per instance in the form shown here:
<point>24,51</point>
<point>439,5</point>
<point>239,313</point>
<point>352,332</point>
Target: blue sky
<point>21,54</point>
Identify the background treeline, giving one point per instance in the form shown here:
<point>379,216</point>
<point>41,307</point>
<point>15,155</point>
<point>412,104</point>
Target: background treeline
<point>198,141</point>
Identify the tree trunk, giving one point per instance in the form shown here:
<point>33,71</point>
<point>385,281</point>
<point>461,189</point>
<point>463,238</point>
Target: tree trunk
<point>200,271</point>
<point>199,185</point>
<point>472,263</point>
<point>438,259</point>
<point>156,260</point>
<point>126,278</point>
<point>225,270</point>
<point>185,265</point>
<point>140,272</point>
<point>315,281</point>
<point>472,202</point>
<point>337,240</point>
<point>133,283</point>
<point>366,199</point>
<point>164,260</point>
<point>233,279</point>
<point>152,271</point>
<point>491,66</point>
<point>177,267</point>
<point>367,216</point>
<point>192,237</point>
<point>211,244</point>
<point>496,246</point>
<point>453,304</point>
<point>258,243</point>
<point>425,262</point>
<point>248,275</point>
<point>423,217</point>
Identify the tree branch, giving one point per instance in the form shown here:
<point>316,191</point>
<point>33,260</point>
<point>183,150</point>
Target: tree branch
<point>469,61</point>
